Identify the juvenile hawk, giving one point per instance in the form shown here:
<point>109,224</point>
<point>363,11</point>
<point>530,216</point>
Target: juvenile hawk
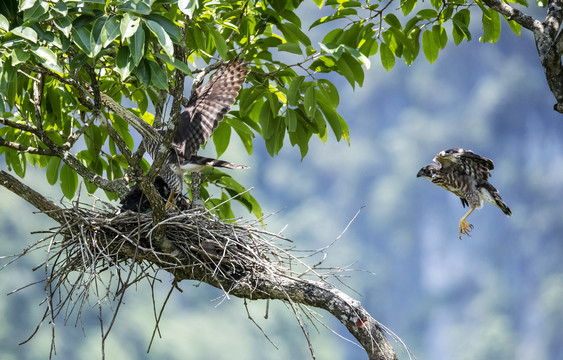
<point>206,108</point>
<point>465,174</point>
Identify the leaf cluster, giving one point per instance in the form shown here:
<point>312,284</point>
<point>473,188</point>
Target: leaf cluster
<point>61,59</point>
<point>77,51</point>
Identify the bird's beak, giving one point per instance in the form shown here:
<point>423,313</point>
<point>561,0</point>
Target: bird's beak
<point>420,173</point>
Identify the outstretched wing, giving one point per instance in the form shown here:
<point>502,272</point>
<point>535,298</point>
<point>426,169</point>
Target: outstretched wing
<point>466,161</point>
<point>207,107</point>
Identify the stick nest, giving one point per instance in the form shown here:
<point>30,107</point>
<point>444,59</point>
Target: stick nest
<point>98,252</point>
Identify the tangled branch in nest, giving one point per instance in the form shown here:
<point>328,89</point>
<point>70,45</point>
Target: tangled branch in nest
<point>94,241</point>
<point>97,254</point>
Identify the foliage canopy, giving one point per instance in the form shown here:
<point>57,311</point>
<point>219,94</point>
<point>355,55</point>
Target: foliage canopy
<point>57,58</point>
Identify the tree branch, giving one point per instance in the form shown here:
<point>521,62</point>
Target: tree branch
<point>31,196</point>
<point>514,14</point>
<point>548,43</point>
<point>26,149</point>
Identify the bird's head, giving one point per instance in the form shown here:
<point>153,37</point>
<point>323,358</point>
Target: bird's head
<point>429,171</point>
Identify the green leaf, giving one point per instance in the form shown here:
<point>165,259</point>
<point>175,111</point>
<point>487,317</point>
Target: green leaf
<point>129,25</point>
<point>310,102</point>
<point>327,93</point>
<point>123,62</point>
<point>174,62</point>
<point>143,73</point>
<point>243,131</point>
<point>437,4</point>
<point>110,31</point>
<point>162,37</point>
<point>292,33</point>
<point>9,82</point>
<point>188,7</point>
<point>17,162</point>
<point>351,70</point>
<point>265,120</point>
<point>27,4</point>
<point>249,101</point>
<point>69,181</point>
<point>293,91</point>
<point>49,58</point>
<point>81,37</point>
<point>333,119</point>
<point>64,25</point>
<point>26,33</point>
<point>135,6</point>
<point>221,138</point>
<point>219,40</point>
<point>333,36</point>
<point>393,21</point>
<point>429,47</point>
<point>137,42</point>
<point>291,120</point>
<point>52,171</point>
<point>95,35</point>
<point>319,3</point>
<point>387,57</point>
<point>158,76</point>
<point>491,27</point>
<point>290,48</point>
<point>428,14</point>
<point>440,36</point>
<point>34,13</point>
<point>61,8</point>
<point>168,25</point>
<point>461,26</point>
<point>407,6</point>
<point>4,23</point>
<point>515,27</point>
<point>19,56</point>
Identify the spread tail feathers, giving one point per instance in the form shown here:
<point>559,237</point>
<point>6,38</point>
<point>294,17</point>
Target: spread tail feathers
<point>492,196</point>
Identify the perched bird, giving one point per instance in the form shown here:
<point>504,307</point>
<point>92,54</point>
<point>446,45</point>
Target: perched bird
<point>206,108</point>
<point>136,201</point>
<point>465,174</point>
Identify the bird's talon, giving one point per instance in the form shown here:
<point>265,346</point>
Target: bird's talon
<point>464,228</point>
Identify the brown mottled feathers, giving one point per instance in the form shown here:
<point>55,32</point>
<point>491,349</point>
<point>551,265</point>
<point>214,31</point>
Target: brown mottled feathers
<point>467,161</point>
<point>207,107</point>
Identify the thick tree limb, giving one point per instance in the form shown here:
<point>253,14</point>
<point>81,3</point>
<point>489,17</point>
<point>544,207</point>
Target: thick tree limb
<point>43,204</point>
<point>548,43</point>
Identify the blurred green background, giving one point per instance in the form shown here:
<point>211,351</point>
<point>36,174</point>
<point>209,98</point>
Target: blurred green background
<point>495,295</point>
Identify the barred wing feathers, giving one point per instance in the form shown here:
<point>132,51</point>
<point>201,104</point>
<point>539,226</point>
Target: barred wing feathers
<point>207,107</point>
<point>466,161</point>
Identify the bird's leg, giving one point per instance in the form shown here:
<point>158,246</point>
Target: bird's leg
<point>195,187</point>
<point>170,201</point>
<point>464,226</point>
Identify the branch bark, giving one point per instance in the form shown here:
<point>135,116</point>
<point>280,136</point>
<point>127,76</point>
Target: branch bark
<point>548,43</point>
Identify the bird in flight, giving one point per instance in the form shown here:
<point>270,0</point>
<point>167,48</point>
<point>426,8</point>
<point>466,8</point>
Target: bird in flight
<point>205,109</point>
<point>465,174</point>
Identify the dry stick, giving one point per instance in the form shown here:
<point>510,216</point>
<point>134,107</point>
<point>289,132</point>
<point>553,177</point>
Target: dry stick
<point>159,317</point>
<point>258,326</point>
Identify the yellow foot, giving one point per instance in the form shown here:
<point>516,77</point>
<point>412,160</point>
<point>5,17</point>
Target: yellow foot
<point>464,228</point>
<point>170,202</point>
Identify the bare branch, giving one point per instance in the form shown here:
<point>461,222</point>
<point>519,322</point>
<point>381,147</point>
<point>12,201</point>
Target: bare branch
<point>43,204</point>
